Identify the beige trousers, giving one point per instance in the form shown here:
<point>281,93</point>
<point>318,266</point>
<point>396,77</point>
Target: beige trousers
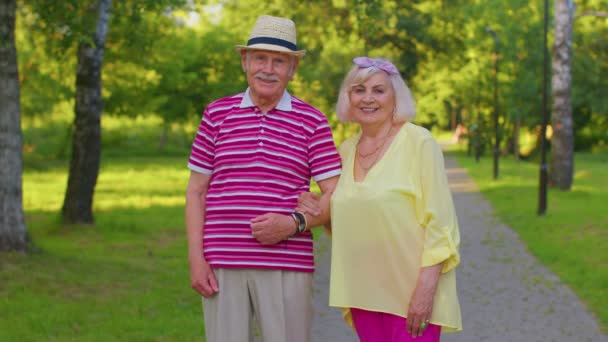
<point>280,302</point>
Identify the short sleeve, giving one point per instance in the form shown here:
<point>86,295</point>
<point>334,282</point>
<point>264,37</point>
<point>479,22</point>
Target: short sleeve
<point>322,153</point>
<point>442,237</point>
<point>202,153</point>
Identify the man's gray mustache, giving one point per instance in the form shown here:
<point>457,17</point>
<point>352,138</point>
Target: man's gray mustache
<point>266,78</point>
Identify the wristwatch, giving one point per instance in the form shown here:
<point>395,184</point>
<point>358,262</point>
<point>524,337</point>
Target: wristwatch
<point>301,222</point>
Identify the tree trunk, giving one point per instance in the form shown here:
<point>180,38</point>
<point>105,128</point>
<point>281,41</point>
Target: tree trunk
<point>562,142</point>
<point>13,234</point>
<point>516,138</point>
<point>162,143</point>
<point>86,140</point>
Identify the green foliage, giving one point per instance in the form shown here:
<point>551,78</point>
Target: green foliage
<point>590,67</point>
<point>47,77</point>
<point>570,239</point>
<point>195,72</point>
<point>160,62</point>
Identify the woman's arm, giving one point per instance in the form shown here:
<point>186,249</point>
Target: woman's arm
<point>421,303</point>
<point>317,208</point>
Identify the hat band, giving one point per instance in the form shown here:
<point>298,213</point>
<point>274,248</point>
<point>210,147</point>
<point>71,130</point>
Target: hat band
<point>274,41</point>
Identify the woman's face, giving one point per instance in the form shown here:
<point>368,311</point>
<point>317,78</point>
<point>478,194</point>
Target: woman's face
<point>373,102</point>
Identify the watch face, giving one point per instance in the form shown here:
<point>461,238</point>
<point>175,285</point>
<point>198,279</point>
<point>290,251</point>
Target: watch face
<point>301,222</point>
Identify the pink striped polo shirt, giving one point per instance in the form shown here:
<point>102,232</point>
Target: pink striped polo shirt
<point>259,163</point>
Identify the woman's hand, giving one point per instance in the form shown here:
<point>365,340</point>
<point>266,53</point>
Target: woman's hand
<point>421,303</point>
<point>309,203</point>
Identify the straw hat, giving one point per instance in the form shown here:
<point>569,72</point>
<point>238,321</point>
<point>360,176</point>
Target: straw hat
<point>273,34</point>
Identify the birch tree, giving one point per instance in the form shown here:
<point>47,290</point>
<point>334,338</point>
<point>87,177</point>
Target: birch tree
<point>13,233</point>
<point>562,142</point>
<point>86,140</point>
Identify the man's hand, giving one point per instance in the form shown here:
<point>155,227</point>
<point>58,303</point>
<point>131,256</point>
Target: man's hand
<point>272,228</point>
<point>202,279</point>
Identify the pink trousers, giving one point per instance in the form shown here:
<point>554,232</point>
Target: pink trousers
<point>374,326</point>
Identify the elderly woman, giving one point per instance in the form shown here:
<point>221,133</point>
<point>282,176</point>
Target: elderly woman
<point>394,230</point>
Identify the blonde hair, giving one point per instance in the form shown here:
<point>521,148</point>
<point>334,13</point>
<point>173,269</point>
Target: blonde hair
<point>405,108</point>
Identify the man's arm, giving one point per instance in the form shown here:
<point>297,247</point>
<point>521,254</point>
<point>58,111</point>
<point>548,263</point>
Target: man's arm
<point>272,228</point>
<point>202,278</point>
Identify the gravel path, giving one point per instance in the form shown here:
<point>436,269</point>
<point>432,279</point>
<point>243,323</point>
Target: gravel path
<point>505,294</point>
<point>327,325</point>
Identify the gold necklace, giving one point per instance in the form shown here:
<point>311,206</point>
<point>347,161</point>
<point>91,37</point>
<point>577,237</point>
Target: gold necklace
<point>365,155</point>
<point>366,168</point>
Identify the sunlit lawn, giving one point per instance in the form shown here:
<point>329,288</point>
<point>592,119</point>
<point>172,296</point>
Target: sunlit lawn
<point>572,238</point>
<point>123,279</point>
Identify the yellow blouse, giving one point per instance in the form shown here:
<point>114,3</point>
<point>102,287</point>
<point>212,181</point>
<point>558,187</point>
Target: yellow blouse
<point>385,228</point>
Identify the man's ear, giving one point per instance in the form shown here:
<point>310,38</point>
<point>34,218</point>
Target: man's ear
<point>295,63</point>
<point>244,60</point>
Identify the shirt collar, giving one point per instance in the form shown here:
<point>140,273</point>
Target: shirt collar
<point>284,104</point>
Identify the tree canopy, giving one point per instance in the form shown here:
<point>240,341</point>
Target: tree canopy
<point>171,58</point>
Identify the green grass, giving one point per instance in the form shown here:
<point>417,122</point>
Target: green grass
<point>125,278</point>
<point>571,238</point>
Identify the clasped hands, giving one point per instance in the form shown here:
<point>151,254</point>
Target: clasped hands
<point>272,228</point>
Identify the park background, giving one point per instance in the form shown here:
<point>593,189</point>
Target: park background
<point>123,274</point>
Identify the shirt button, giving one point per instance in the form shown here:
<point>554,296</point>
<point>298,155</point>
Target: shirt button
<point>261,143</point>
<point>262,130</point>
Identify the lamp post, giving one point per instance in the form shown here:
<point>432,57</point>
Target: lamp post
<point>543,179</point>
<point>496,137</point>
<point>476,127</point>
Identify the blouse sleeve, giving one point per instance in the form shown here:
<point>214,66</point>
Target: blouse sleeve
<point>442,237</point>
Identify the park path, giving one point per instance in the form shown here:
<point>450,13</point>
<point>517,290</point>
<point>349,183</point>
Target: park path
<point>505,294</point>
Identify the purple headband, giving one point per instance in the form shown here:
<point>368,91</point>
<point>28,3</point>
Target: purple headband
<point>386,66</point>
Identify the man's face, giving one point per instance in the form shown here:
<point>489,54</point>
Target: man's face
<point>268,73</point>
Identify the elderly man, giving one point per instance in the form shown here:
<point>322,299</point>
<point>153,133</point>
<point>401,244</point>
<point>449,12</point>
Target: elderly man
<point>250,253</point>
